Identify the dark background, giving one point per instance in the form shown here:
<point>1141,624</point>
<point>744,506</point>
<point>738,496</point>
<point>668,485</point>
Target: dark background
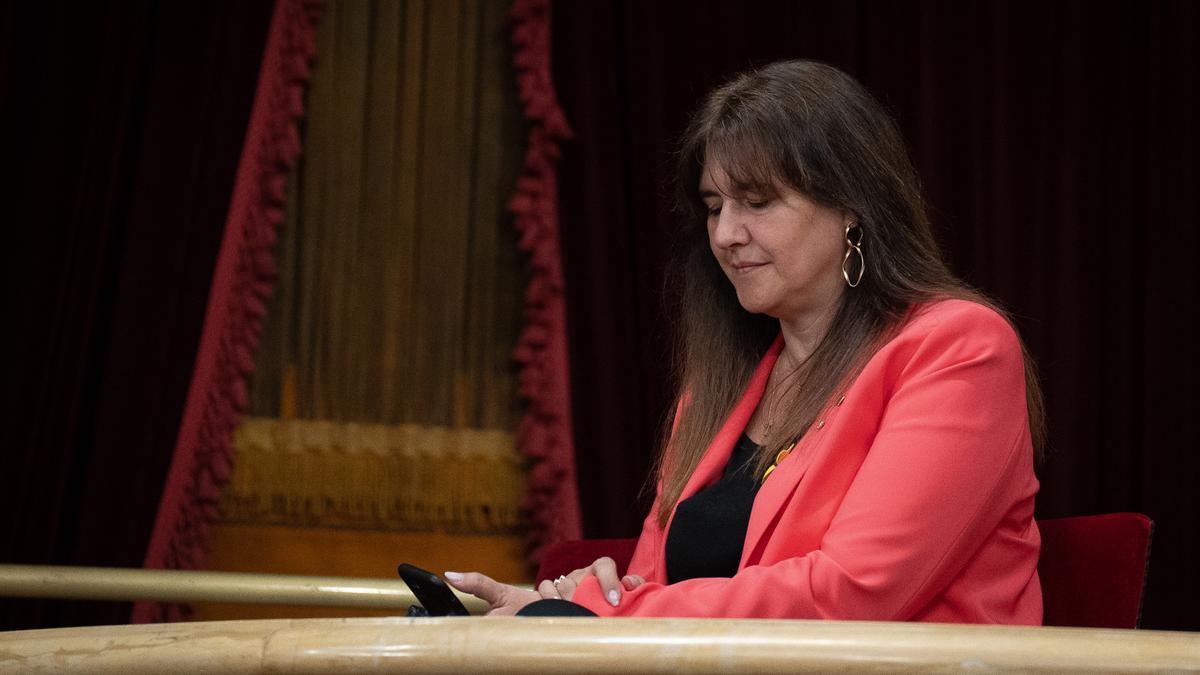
<point>122,124</point>
<point>1055,139</point>
<point>1056,142</point>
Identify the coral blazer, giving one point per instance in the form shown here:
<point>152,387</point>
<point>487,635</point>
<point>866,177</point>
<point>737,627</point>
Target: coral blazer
<point>913,501</point>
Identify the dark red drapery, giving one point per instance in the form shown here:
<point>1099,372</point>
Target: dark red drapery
<point>242,280</point>
<point>121,128</point>
<point>545,435</point>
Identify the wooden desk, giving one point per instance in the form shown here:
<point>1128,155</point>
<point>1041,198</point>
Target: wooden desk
<point>536,645</point>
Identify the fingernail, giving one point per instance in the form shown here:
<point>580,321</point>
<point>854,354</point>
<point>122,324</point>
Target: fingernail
<point>614,597</point>
<point>454,576</point>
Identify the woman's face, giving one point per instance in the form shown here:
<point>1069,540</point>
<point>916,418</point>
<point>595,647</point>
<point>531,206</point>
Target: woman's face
<point>782,252</point>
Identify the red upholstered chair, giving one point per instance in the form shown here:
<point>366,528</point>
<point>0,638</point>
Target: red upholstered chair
<point>568,556</point>
<point>1093,568</point>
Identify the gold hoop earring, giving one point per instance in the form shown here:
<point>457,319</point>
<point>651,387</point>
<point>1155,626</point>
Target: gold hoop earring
<point>854,245</point>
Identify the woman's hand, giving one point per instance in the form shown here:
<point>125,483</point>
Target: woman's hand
<point>605,571</point>
<point>505,600</point>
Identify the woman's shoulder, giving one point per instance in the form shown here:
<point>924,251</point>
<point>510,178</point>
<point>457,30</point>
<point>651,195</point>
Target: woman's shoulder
<point>956,329</point>
<point>957,316</point>
<point>952,339</point>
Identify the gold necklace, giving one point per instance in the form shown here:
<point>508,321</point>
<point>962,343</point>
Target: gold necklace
<point>773,413</point>
<point>772,409</point>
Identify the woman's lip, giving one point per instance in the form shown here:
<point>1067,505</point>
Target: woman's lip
<point>743,267</point>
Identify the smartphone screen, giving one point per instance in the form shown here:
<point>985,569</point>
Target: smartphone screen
<point>434,594</point>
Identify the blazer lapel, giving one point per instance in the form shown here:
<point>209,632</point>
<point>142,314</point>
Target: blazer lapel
<point>774,493</point>
<point>785,480</point>
<point>717,455</point>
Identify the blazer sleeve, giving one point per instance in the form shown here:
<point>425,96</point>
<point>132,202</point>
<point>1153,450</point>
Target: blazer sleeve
<point>944,467</point>
<point>645,561</point>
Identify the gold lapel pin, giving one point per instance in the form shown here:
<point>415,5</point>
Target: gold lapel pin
<point>779,457</point>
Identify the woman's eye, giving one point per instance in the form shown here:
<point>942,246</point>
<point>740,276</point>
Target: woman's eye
<point>757,203</point>
<point>713,211</point>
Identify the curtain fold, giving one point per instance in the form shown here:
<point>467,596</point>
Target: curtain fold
<point>546,430</point>
<point>121,126</point>
<point>384,396</point>
<point>242,281</point>
<point>399,292</point>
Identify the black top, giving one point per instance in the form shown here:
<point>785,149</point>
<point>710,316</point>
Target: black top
<point>709,529</point>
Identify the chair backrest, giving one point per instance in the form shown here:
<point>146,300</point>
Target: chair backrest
<point>1092,568</point>
<point>567,556</point>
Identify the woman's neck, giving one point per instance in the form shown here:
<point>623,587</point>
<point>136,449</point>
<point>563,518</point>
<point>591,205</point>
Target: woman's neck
<point>802,334</point>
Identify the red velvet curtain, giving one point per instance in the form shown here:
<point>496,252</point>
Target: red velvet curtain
<point>1057,144</point>
<point>121,125</point>
<point>552,503</point>
<point>242,281</point>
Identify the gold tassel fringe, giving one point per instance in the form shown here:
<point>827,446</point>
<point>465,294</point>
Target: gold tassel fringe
<point>312,473</point>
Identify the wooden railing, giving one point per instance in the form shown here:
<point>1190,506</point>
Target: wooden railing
<point>525,645</point>
<point>111,583</point>
<point>540,645</point>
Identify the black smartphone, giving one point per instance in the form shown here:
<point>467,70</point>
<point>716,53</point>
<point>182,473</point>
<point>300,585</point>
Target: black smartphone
<point>434,595</point>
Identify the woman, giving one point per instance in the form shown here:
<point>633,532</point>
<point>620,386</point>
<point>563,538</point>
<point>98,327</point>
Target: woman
<point>856,429</point>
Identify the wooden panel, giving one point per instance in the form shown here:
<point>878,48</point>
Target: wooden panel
<point>288,550</point>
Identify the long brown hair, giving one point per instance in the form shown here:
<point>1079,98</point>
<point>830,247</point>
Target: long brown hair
<point>813,128</point>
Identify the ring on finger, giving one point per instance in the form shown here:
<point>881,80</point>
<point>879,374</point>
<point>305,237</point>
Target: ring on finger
<point>561,578</point>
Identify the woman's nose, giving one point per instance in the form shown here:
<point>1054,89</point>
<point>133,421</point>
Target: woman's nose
<point>730,228</point>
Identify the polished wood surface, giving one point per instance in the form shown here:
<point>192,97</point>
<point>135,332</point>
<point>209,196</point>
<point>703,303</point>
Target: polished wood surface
<point>527,645</point>
<point>108,583</point>
<point>354,553</point>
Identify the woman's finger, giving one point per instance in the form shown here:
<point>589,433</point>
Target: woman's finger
<point>566,587</point>
<point>503,599</point>
<point>479,585</point>
<point>632,581</point>
<point>606,573</point>
<point>548,590</point>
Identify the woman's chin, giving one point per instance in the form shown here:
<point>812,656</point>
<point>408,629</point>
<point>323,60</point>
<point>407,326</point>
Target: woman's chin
<point>756,305</point>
